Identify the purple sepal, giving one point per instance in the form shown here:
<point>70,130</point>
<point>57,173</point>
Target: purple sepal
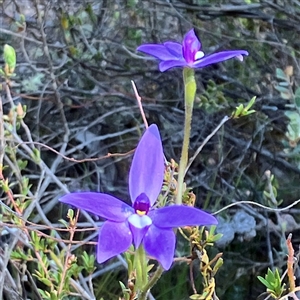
<point>160,244</point>
<point>99,204</point>
<point>114,238</point>
<point>191,45</point>
<point>179,216</point>
<point>219,57</point>
<point>147,169</point>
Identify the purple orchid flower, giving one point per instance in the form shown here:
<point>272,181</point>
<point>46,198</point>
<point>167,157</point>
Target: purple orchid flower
<point>188,54</point>
<point>140,223</point>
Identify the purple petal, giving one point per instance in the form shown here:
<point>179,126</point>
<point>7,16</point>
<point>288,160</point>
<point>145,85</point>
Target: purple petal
<point>160,244</point>
<point>175,49</point>
<point>191,45</point>
<point>99,204</point>
<point>165,65</point>
<point>180,215</point>
<point>218,57</point>
<point>147,169</point>
<point>139,226</point>
<point>158,51</point>
<point>114,238</point>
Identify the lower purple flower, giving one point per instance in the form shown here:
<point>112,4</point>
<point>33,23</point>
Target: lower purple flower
<point>140,224</point>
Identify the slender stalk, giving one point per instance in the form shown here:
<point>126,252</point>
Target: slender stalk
<point>151,283</point>
<point>290,264</point>
<point>141,268</point>
<point>68,254</point>
<point>189,97</point>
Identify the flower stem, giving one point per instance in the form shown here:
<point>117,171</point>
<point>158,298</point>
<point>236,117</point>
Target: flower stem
<point>151,283</point>
<point>141,268</point>
<point>189,97</point>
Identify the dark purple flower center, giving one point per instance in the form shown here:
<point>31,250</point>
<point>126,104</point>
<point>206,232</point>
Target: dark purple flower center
<point>141,204</point>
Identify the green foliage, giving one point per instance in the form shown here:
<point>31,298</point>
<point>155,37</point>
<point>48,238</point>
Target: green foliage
<point>10,58</point>
<point>10,61</point>
<point>286,89</point>
<point>270,193</point>
<point>132,3</point>
<point>283,87</point>
<point>293,129</point>
<point>36,155</point>
<point>134,36</point>
<point>297,98</point>
<point>211,237</point>
<point>88,262</point>
<point>33,83</point>
<point>19,254</point>
<point>126,291</point>
<point>242,111</point>
<point>212,99</point>
<point>101,57</point>
<point>273,283</point>
<point>20,21</point>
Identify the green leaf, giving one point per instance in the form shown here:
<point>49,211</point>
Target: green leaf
<point>9,55</point>
<point>44,294</point>
<point>22,164</point>
<point>54,296</point>
<point>281,75</point>
<point>36,155</point>
<point>282,89</point>
<point>46,281</point>
<point>251,103</point>
<point>297,97</point>
<point>250,112</point>
<point>218,265</point>
<point>70,214</point>
<point>88,262</point>
<point>263,281</point>
<point>215,237</point>
<point>196,297</point>
<point>272,281</point>
<point>284,84</point>
<point>33,83</point>
<point>18,254</point>
<point>123,286</point>
<point>64,222</point>
<point>238,110</point>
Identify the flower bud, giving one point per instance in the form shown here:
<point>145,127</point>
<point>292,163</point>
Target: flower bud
<point>9,56</point>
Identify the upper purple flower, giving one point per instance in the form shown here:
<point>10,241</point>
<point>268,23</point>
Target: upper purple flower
<point>140,223</point>
<point>188,54</point>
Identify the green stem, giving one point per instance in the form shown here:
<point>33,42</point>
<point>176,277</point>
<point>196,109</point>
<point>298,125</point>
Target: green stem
<point>151,283</point>
<point>189,97</point>
<point>141,268</point>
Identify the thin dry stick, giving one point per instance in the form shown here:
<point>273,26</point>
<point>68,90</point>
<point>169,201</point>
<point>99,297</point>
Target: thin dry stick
<point>108,155</point>
<point>192,278</point>
<point>35,41</point>
<point>291,294</point>
<point>224,120</point>
<point>139,101</point>
<point>9,193</point>
<point>60,105</point>
<point>2,148</point>
<point>290,263</point>
<point>274,202</point>
<point>257,204</point>
<point>2,142</point>
<point>68,254</point>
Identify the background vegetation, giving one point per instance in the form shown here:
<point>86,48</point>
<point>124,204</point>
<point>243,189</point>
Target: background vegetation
<point>75,63</point>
